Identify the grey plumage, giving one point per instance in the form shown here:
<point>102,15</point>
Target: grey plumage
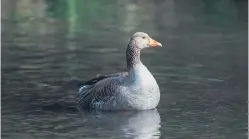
<point>99,89</point>
<point>135,89</point>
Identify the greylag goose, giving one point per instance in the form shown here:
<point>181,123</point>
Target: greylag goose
<point>135,89</point>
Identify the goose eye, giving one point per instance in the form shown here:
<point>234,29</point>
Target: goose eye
<point>144,37</point>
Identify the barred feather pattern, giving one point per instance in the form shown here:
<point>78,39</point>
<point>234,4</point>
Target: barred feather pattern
<point>101,92</point>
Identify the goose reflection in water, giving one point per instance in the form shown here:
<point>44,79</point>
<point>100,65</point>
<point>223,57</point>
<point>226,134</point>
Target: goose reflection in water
<point>125,124</point>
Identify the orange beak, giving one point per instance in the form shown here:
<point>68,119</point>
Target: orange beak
<point>154,43</point>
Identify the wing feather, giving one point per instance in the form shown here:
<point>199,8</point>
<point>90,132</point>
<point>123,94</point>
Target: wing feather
<point>100,89</point>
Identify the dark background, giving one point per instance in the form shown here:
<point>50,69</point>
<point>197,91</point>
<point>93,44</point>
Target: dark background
<point>49,45</point>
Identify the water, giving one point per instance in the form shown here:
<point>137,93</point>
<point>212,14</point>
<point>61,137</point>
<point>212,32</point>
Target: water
<point>50,46</point>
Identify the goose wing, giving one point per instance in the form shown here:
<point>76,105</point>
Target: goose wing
<point>100,89</point>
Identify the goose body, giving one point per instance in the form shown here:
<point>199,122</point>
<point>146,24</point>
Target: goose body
<point>135,89</point>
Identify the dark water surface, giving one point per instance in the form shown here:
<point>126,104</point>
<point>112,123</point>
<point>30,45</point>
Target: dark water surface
<point>48,46</point>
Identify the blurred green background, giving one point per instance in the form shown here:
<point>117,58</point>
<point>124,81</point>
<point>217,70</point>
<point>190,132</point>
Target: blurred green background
<point>48,46</point>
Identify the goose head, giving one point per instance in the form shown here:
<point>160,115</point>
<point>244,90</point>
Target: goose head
<point>141,40</point>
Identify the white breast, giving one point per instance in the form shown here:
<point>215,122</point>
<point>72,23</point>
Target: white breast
<point>142,77</point>
<point>140,90</point>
